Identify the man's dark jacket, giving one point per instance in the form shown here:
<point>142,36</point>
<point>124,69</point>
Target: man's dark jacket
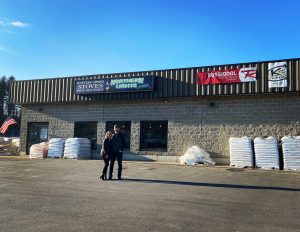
<point>118,142</point>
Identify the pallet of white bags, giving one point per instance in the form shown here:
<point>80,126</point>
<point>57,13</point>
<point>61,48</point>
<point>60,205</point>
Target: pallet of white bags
<point>266,153</point>
<point>241,152</point>
<point>291,153</point>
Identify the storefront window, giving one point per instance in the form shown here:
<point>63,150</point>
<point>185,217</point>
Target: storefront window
<point>87,130</point>
<point>125,128</point>
<point>154,135</point>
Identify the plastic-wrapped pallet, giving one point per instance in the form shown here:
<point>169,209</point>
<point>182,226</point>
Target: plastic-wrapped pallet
<point>241,152</point>
<point>266,153</point>
<point>77,148</point>
<point>16,142</point>
<point>39,150</point>
<point>291,153</point>
<point>56,148</point>
<point>196,155</point>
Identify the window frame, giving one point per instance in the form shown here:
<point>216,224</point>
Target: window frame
<point>128,142</point>
<point>165,127</point>
<point>93,140</point>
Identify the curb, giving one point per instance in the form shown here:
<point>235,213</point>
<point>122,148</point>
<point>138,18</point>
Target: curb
<point>21,157</point>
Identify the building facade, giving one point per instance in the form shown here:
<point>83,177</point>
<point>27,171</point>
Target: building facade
<point>164,112</point>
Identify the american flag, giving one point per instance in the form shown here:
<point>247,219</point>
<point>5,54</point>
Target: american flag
<point>8,121</point>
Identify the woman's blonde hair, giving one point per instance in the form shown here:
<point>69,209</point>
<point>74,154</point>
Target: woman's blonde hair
<point>107,134</point>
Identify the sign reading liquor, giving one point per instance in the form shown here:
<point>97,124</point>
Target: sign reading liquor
<point>277,74</point>
<point>227,76</point>
<point>111,85</point>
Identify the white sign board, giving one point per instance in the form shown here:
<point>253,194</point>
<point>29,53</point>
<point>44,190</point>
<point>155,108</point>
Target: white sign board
<point>277,74</point>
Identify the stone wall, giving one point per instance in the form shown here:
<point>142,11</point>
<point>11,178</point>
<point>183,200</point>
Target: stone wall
<point>207,122</point>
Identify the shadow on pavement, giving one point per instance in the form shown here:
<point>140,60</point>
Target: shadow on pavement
<point>200,184</point>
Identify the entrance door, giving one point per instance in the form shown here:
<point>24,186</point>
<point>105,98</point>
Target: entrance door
<point>37,133</point>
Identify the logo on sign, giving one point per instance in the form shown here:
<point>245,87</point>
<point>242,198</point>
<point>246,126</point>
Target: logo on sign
<point>277,74</point>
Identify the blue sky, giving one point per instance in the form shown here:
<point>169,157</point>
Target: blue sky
<point>55,38</point>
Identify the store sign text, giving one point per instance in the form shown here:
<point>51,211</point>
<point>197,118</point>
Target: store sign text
<point>111,85</point>
<point>227,76</point>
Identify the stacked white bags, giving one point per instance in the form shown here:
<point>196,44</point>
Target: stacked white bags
<point>77,148</point>
<point>39,150</point>
<point>266,153</point>
<point>241,152</point>
<point>56,148</point>
<point>291,153</point>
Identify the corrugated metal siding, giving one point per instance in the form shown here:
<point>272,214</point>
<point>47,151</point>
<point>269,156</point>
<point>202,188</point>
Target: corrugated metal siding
<point>169,84</point>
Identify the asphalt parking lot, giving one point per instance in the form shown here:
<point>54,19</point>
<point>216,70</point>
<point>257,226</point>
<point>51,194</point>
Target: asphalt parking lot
<point>67,195</point>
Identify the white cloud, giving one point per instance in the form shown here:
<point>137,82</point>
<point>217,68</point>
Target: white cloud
<point>19,24</point>
<point>12,23</point>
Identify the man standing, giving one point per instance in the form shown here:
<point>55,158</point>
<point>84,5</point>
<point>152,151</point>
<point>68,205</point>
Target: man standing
<point>118,143</point>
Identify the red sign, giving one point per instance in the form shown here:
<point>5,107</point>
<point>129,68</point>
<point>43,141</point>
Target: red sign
<point>227,76</point>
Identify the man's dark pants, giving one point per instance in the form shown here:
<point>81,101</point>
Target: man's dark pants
<point>119,156</point>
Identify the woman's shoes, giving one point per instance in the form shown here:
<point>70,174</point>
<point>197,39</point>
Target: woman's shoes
<point>103,177</point>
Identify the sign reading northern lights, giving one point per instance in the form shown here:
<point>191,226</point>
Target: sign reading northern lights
<point>112,85</point>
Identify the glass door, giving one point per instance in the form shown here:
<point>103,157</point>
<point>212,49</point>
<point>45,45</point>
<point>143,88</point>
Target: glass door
<point>37,133</point>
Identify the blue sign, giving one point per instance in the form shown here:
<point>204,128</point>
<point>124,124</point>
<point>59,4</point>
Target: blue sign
<point>112,85</point>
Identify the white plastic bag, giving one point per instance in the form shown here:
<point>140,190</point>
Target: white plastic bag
<point>16,142</point>
<point>77,148</point>
<point>38,151</point>
<point>196,155</point>
<point>241,152</point>
<point>266,153</point>
<point>291,153</point>
<point>56,148</point>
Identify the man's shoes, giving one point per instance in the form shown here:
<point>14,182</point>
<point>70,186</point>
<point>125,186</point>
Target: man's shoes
<point>102,177</point>
<point>119,178</point>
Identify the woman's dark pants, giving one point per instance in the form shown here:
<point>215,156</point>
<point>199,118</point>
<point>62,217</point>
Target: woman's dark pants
<point>106,162</point>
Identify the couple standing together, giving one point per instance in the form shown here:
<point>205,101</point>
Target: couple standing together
<point>112,149</point>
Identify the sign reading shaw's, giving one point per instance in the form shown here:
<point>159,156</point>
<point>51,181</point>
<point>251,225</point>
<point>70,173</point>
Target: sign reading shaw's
<point>227,76</point>
<point>111,85</point>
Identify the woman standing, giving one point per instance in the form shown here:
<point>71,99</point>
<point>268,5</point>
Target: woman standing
<point>106,152</point>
